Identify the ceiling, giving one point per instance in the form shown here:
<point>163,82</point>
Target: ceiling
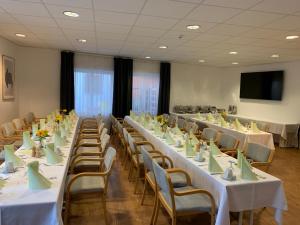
<point>255,29</point>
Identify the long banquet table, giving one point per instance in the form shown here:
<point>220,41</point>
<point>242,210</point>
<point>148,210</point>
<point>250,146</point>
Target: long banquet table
<point>244,137</point>
<point>22,206</point>
<point>235,196</point>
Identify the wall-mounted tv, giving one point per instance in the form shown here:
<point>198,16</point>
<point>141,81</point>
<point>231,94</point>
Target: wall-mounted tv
<point>262,85</point>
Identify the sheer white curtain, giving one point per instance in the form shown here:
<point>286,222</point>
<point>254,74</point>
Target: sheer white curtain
<point>145,87</point>
<point>93,85</point>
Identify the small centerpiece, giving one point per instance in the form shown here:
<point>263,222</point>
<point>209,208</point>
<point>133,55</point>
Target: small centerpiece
<point>40,135</point>
<point>163,122</point>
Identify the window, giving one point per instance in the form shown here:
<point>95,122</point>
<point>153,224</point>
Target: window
<point>93,85</point>
<point>145,88</point>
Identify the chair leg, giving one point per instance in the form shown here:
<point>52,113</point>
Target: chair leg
<point>130,171</point>
<point>144,191</point>
<point>104,209</point>
<point>156,211</point>
<point>137,179</point>
<point>67,210</point>
<point>154,208</point>
<point>174,220</point>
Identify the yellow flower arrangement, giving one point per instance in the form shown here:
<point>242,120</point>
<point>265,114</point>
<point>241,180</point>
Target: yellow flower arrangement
<point>162,120</point>
<point>58,118</point>
<point>42,134</point>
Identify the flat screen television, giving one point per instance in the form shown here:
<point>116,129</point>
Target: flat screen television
<point>262,85</point>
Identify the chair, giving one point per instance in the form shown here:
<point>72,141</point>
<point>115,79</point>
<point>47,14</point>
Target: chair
<point>10,135</point>
<point>201,126</point>
<point>30,118</point>
<point>91,182</point>
<point>181,123</point>
<point>209,133</point>
<point>183,201</point>
<point>191,126</point>
<point>260,156</point>
<point>227,143</point>
<point>172,120</point>
<point>19,124</point>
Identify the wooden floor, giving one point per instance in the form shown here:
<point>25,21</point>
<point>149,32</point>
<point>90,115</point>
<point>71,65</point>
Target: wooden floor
<point>124,207</point>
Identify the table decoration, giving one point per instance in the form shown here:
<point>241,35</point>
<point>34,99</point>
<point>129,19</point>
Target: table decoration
<point>213,165</point>
<point>9,155</point>
<point>246,170</point>
<point>51,156</point>
<point>36,181</point>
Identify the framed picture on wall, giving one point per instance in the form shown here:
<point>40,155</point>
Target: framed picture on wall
<point>8,78</point>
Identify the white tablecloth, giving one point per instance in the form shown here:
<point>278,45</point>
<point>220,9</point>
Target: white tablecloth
<point>21,206</point>
<point>246,137</point>
<point>236,196</point>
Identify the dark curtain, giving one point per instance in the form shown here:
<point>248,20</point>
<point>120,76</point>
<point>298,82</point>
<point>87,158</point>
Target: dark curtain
<point>67,80</point>
<point>122,100</point>
<point>164,88</point>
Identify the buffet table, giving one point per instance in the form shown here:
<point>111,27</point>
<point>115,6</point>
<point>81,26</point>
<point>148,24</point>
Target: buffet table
<point>244,137</point>
<point>235,196</point>
<point>22,206</point>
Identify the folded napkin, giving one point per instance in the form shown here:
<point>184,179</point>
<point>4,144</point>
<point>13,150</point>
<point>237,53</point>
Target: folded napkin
<point>157,130</point>
<point>213,148</point>
<point>169,139</point>
<point>51,156</point>
<point>35,128</point>
<point>189,151</point>
<point>223,122</point>
<point>210,117</point>
<point>42,124</point>
<point>36,181</point>
<point>213,165</point>
<point>58,140</point>
<point>239,158</point>
<point>238,125</point>
<point>194,139</point>
<point>199,116</point>
<point>9,156</point>
<point>27,142</point>
<point>246,170</point>
<point>254,127</point>
<point>177,131</point>
<point>63,131</point>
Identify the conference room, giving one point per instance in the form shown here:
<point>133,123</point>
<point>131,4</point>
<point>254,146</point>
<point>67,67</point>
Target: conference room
<point>149,112</point>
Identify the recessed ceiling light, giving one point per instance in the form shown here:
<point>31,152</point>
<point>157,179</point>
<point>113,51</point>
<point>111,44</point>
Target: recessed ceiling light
<point>21,35</point>
<point>71,14</point>
<point>81,40</point>
<point>233,53</point>
<point>235,63</point>
<point>201,60</point>
<point>193,27</point>
<point>163,46</point>
<point>275,56</point>
<point>292,37</point>
<point>148,57</point>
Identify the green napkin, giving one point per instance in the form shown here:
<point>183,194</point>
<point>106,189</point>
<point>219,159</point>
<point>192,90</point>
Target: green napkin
<point>239,158</point>
<point>58,140</point>
<point>194,139</point>
<point>157,130</point>
<point>42,124</point>
<point>189,151</point>
<point>214,149</point>
<point>213,165</point>
<point>51,155</point>
<point>210,117</point>
<point>27,142</point>
<point>176,130</point>
<point>63,131</point>
<point>246,170</point>
<point>35,128</point>
<point>223,122</point>
<point>254,127</point>
<point>36,181</point>
<point>9,156</point>
<point>169,139</point>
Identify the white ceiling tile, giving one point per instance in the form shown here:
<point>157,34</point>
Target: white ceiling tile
<point>240,40</point>
<point>112,36</point>
<point>167,8</point>
<point>150,32</point>
<point>129,6</point>
<point>171,43</point>
<point>253,18</point>
<point>185,36</point>
<point>230,30</point>
<point>75,24</point>
<point>211,37</point>
<point>80,34</point>
<point>24,8</point>
<point>73,3</point>
<point>189,1</point>
<point>212,13</point>
<point>44,30</point>
<point>140,39</point>
<point>104,51</point>
<point>155,22</point>
<point>265,33</point>
<point>279,6</point>
<point>109,44</point>
<point>111,28</point>
<point>36,21</point>
<point>6,18</point>
<point>84,14</point>
<point>286,23</point>
<point>244,4</point>
<point>115,18</point>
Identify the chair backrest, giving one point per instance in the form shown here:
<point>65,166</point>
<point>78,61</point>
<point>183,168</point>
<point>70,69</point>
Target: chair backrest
<point>103,132</point>
<point>109,158</point>
<point>201,126</point>
<point>105,141</point>
<point>18,123</point>
<point>209,133</point>
<point>147,159</point>
<point>162,182</point>
<point>259,153</point>
<point>8,129</point>
<point>191,126</point>
<point>228,141</point>
<point>30,117</point>
<point>181,122</point>
<point>125,135</point>
<point>131,142</point>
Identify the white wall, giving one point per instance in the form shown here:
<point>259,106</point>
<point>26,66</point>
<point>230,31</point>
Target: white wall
<point>39,78</point>
<point>287,110</point>
<point>195,85</point>
<point>8,109</point>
